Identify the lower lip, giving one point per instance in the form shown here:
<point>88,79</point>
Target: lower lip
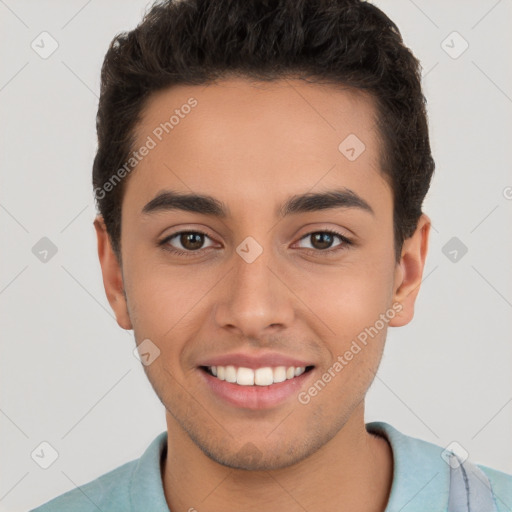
<point>255,397</point>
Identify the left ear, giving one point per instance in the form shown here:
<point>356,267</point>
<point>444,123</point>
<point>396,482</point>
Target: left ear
<point>409,272</point>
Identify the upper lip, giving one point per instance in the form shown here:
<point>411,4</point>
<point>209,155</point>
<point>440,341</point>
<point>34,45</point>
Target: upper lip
<point>252,361</point>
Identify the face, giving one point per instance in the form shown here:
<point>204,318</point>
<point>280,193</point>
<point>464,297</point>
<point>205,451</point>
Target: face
<point>254,276</point>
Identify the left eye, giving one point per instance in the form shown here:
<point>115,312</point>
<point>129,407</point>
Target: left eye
<point>322,240</point>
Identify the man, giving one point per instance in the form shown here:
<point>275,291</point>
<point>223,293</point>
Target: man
<point>260,174</point>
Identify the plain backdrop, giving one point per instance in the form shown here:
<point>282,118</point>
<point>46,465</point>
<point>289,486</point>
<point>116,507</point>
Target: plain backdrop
<point>68,374</point>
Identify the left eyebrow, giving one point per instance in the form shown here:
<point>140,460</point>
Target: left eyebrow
<point>312,202</point>
<point>309,202</point>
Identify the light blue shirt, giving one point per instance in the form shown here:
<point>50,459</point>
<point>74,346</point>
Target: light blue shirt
<point>421,480</point>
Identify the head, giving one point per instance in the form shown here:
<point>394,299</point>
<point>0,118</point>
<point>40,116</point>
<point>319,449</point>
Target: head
<point>302,126</point>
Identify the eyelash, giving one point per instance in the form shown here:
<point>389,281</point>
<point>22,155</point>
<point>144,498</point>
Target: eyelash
<point>328,252</point>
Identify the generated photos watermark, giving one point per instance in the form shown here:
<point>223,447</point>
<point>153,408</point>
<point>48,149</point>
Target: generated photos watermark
<point>137,156</point>
<point>305,397</point>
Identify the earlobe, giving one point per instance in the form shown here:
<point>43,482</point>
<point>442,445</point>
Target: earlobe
<point>409,272</point>
<point>112,275</point>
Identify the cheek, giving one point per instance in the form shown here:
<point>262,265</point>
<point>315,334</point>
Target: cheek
<point>350,297</point>
<point>162,300</point>
<point>356,309</point>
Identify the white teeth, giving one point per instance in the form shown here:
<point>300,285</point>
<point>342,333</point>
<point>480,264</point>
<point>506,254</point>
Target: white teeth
<point>260,377</point>
<point>245,376</point>
<point>230,374</point>
<point>264,376</point>
<point>280,374</point>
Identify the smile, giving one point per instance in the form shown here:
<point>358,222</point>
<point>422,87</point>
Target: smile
<point>265,376</point>
<point>255,388</point>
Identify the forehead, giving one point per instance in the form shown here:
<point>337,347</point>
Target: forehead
<point>254,138</point>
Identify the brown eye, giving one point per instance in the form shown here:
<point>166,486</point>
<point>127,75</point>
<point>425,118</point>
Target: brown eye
<point>191,241</point>
<point>323,240</point>
<point>185,242</point>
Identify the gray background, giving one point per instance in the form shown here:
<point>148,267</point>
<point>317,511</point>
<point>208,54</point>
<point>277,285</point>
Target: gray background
<point>68,374</point>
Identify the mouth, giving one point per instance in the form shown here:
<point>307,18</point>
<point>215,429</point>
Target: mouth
<point>265,376</point>
<point>255,388</point>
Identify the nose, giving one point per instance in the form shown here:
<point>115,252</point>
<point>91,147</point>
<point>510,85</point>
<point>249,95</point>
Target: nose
<point>256,299</point>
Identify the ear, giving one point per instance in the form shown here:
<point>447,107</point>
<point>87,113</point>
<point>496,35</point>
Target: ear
<point>112,275</point>
<point>409,272</point>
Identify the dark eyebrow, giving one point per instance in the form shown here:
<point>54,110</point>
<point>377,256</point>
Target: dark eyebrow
<point>171,200</point>
<point>207,205</point>
<point>312,202</point>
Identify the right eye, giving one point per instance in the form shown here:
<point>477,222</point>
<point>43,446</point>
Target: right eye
<point>191,241</point>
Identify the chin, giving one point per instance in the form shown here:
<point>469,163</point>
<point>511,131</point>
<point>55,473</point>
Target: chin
<point>253,457</point>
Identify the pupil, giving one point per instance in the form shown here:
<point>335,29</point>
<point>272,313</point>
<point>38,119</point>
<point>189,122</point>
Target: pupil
<point>187,240</point>
<point>325,240</point>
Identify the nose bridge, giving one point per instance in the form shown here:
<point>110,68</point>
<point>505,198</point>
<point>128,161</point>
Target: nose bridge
<point>254,298</point>
<point>252,273</point>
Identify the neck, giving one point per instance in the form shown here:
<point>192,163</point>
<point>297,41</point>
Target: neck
<point>352,472</point>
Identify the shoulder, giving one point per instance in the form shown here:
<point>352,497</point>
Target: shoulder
<point>501,484</point>
<point>111,488</point>
<point>131,486</point>
<point>422,469</point>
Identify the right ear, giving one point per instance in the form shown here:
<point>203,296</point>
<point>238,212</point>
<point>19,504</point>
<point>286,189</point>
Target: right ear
<point>112,275</point>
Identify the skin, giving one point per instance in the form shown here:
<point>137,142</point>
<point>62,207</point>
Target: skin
<point>252,146</point>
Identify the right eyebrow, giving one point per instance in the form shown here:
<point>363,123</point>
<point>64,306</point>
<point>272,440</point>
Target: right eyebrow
<point>172,200</point>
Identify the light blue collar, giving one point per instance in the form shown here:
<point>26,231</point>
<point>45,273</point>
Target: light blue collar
<point>146,487</point>
<point>421,479</point>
